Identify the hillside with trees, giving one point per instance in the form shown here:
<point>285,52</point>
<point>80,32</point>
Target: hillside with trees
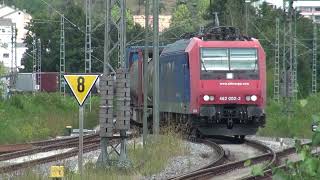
<point>187,16</point>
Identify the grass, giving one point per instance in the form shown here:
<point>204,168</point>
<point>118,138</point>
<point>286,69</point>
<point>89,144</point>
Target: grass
<point>298,125</point>
<point>145,162</point>
<point>25,117</point>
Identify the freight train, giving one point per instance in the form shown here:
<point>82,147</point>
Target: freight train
<point>212,84</point>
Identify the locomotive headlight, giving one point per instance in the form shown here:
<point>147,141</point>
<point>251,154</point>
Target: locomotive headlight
<point>248,98</point>
<point>254,98</point>
<point>211,98</point>
<point>206,98</point>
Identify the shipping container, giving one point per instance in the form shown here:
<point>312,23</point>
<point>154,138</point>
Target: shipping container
<point>25,82</point>
<point>49,81</point>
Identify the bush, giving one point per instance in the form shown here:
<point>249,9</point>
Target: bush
<point>278,123</point>
<point>25,117</point>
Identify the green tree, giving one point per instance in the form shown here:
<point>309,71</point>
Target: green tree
<point>2,69</point>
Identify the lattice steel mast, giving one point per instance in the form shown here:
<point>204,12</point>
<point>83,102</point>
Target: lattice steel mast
<point>88,47</point>
<point>276,77</point>
<point>314,60</point>
<point>34,63</point>
<point>288,80</point>
<point>107,83</point>
<point>295,59</point>
<point>39,62</point>
<point>62,57</point>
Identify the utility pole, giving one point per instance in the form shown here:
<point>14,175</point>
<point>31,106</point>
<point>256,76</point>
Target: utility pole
<point>34,63</point>
<point>314,59</point>
<point>145,76</point>
<point>88,48</point>
<point>276,77</point>
<point>39,64</point>
<point>62,58</point>
<point>156,113</point>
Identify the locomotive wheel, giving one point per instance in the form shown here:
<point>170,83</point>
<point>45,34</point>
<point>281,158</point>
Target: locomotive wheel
<point>239,138</point>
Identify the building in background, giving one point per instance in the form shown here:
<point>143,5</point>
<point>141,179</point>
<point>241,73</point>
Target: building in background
<point>12,17</point>
<point>309,9</point>
<point>7,51</point>
<point>164,21</point>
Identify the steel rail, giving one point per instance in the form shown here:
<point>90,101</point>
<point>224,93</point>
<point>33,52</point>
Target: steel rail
<point>41,149</point>
<point>61,156</point>
<point>10,148</point>
<point>217,161</point>
<point>280,155</point>
<point>225,168</point>
<point>51,141</point>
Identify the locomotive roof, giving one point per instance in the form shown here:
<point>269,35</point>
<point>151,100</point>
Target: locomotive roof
<point>176,47</point>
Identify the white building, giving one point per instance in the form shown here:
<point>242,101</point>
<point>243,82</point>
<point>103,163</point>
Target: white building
<point>309,9</point>
<point>164,21</point>
<point>12,17</point>
<point>276,3</point>
<point>7,53</point>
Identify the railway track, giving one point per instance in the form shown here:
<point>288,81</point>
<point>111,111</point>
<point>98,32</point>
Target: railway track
<point>214,169</point>
<point>57,157</point>
<point>10,148</point>
<point>280,156</point>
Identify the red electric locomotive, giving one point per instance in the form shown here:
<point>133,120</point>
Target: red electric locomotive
<point>214,83</point>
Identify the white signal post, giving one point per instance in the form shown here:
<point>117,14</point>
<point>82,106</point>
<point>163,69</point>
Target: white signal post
<point>81,85</point>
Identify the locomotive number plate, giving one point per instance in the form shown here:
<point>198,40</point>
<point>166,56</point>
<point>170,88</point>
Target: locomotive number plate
<point>229,98</point>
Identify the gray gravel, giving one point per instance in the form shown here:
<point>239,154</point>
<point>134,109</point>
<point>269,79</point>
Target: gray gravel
<point>200,155</point>
<point>277,143</point>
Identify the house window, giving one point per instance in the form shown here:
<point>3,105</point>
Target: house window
<point>5,55</point>
<point>3,30</point>
<point>317,9</point>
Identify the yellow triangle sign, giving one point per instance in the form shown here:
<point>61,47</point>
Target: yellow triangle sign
<point>81,85</point>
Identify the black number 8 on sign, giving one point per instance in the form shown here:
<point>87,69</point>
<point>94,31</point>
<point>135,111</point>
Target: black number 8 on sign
<point>80,84</point>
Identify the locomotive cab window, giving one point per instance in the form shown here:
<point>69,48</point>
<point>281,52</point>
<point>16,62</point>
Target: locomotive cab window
<point>243,59</point>
<point>214,59</point>
<point>216,62</point>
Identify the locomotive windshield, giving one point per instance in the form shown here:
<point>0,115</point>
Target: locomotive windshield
<point>242,61</point>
